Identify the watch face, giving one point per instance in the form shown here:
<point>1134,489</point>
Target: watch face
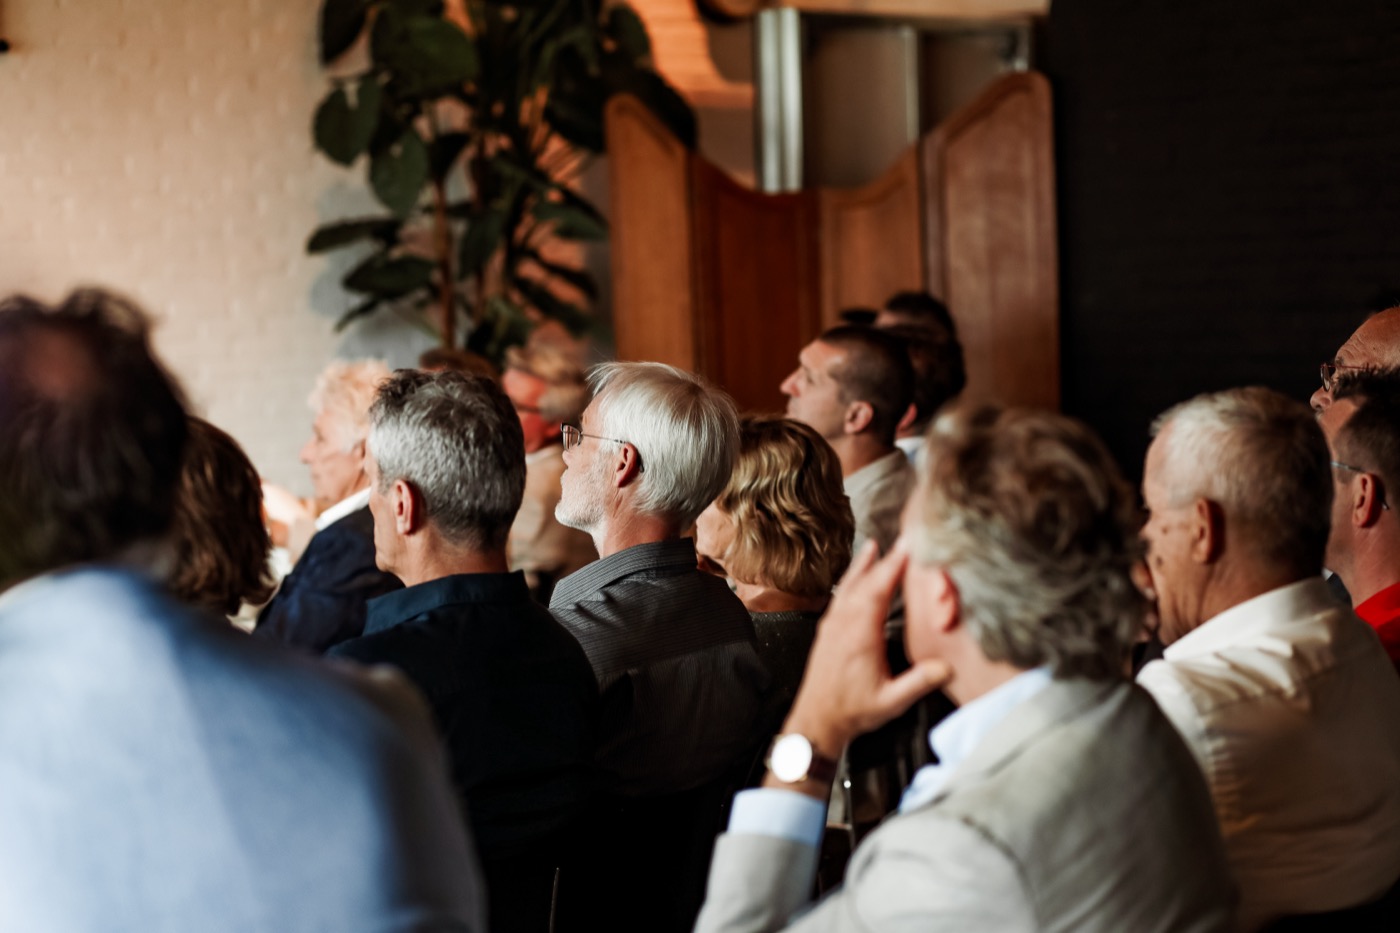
<point>791,758</point>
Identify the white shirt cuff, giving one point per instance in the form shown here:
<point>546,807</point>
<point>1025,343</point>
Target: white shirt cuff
<point>783,814</point>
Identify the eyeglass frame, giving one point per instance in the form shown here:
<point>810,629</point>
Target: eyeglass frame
<point>1328,371</point>
<point>1355,469</point>
<point>571,435</point>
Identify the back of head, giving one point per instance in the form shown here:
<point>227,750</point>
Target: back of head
<point>792,520</point>
<point>939,373</point>
<point>344,391</point>
<point>1261,457</point>
<point>437,359</point>
<point>218,537</point>
<point>876,370</point>
<point>92,431</point>
<point>1370,438</point>
<point>566,384</point>
<point>456,439</point>
<point>685,431</point>
<point>919,309</point>
<point>1029,516</point>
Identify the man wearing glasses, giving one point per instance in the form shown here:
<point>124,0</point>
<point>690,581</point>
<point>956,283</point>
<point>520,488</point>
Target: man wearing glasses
<point>1374,345</point>
<point>1362,426</point>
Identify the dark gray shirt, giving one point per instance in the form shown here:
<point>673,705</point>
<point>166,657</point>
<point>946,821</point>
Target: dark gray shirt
<point>673,651</point>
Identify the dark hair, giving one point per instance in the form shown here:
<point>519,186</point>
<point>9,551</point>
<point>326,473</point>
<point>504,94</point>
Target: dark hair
<point>922,310</point>
<point>457,440</point>
<point>92,431</point>
<point>461,361</point>
<point>876,370</point>
<point>1370,438</point>
<point>939,374</point>
<point>217,535</point>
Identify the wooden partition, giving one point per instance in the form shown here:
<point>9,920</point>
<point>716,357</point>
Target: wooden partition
<point>715,277</point>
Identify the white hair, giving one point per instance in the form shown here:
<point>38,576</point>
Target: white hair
<point>686,433</point>
<point>344,391</point>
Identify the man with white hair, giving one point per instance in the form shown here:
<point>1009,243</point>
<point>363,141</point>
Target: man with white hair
<point>322,601</point>
<point>510,690</point>
<point>1062,799</point>
<point>1285,697</point>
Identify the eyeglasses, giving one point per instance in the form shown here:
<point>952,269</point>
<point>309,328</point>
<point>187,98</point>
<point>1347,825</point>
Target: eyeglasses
<point>1347,466</point>
<point>571,437</point>
<point>1329,371</point>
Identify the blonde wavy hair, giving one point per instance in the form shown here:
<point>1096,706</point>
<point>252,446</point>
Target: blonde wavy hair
<point>792,521</point>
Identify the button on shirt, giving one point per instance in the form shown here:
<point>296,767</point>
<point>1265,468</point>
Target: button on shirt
<point>1293,712</point>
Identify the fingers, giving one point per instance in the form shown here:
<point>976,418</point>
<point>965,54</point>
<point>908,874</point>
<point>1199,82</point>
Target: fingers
<point>897,695</point>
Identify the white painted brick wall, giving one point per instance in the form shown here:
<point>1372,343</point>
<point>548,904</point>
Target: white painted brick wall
<point>162,148</point>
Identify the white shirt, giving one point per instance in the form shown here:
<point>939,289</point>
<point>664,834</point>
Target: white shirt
<point>785,814</point>
<point>351,503</point>
<point>1291,707</point>
<point>878,492</point>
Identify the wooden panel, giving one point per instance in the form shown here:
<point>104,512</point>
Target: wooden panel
<point>871,244</point>
<point>756,285</point>
<point>653,279</point>
<point>991,239</point>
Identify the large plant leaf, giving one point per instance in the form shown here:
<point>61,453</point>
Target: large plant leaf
<point>386,277</point>
<point>343,130</point>
<point>485,235</point>
<point>580,279</point>
<point>626,29</point>
<point>567,313</point>
<point>398,173</point>
<point>342,21</point>
<point>359,311</point>
<point>344,232</point>
<point>426,56</point>
<point>444,150</point>
<point>570,222</point>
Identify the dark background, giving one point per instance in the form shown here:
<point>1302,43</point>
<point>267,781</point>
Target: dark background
<point>1229,195</point>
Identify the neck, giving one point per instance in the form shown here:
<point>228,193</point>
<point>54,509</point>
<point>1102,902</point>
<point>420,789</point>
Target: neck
<point>857,451</point>
<point>1235,582</point>
<point>1371,567</point>
<point>434,558</point>
<point>621,530</point>
<point>972,675</point>
<point>760,597</point>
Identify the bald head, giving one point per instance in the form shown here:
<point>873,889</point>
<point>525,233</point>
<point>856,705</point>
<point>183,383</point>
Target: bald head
<point>1375,345</point>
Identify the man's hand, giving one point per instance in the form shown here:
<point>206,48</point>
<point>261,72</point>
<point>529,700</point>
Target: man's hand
<point>847,689</point>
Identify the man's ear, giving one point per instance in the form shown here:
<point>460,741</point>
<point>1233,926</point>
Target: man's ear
<point>910,414</point>
<point>1367,494</point>
<point>627,468</point>
<point>407,504</point>
<point>1207,531</point>
<point>945,600</point>
<point>858,417</point>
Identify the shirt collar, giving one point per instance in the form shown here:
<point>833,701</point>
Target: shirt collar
<point>876,471</point>
<point>351,503</point>
<point>384,612</point>
<point>1381,606</point>
<point>676,554</point>
<point>1278,608</point>
<point>955,737</point>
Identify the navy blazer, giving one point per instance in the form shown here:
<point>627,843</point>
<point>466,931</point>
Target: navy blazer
<point>322,601</point>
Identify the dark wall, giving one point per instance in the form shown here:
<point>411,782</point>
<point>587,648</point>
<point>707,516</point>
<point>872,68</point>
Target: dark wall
<point>1229,195</point>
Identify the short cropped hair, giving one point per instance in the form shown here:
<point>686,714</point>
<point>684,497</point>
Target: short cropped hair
<point>456,439</point>
<point>92,432</point>
<point>218,536</point>
<point>792,520</point>
<point>344,391</point>
<point>939,373</point>
<point>1028,514</point>
<point>685,431</point>
<point>921,309</point>
<point>566,385</point>
<point>876,370</point>
<point>1370,438</point>
<point>1261,457</point>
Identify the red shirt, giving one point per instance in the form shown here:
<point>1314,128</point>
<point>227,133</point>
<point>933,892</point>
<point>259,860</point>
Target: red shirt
<point>1382,613</point>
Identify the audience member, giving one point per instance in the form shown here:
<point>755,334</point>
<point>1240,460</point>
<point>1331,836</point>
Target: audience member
<point>916,309</point>
<point>159,771</point>
<point>452,359</point>
<point>322,601</point>
<point>939,377</point>
<point>1374,345</point>
<point>1063,799</point>
<point>1286,699</point>
<point>1362,426</point>
<point>217,534</point>
<point>852,385</point>
<point>547,388</point>
<point>510,690</point>
<point>781,532</point>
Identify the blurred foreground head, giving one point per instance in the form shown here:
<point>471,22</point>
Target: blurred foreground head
<point>92,432</point>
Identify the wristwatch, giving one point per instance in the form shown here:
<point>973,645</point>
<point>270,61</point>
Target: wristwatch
<point>792,760</point>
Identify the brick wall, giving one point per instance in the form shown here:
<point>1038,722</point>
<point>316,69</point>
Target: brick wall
<point>163,149</point>
<point>1229,195</point>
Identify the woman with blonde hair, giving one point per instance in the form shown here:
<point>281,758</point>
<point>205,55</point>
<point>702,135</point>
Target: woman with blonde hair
<point>781,531</point>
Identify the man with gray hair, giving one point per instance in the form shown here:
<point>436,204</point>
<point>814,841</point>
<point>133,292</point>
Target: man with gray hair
<point>1062,799</point>
<point>1284,696</point>
<point>510,690</point>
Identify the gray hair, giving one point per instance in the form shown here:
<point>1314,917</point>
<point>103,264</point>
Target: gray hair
<point>344,391</point>
<point>1028,515</point>
<point>686,432</point>
<point>1261,457</point>
<point>456,439</point>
